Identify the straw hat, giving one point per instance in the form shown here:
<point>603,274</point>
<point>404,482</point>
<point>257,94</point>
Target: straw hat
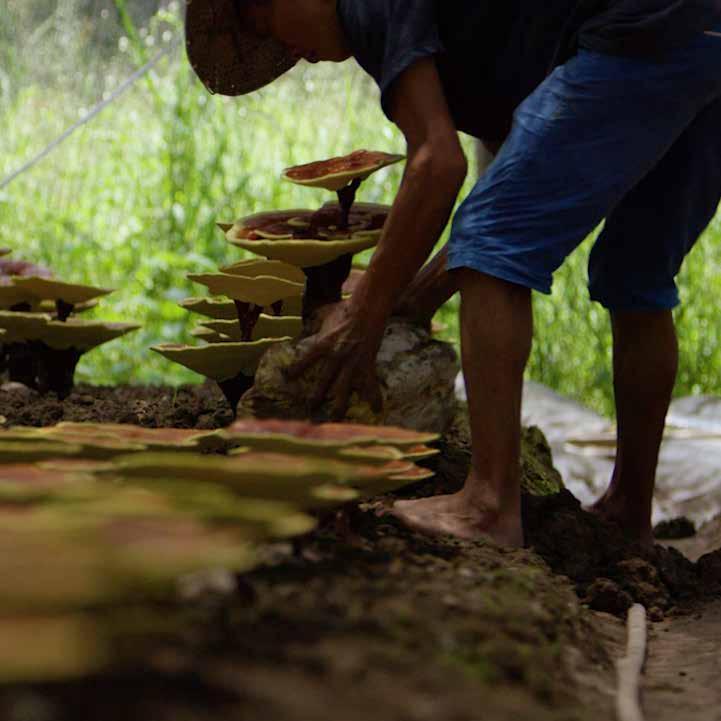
<point>228,59</point>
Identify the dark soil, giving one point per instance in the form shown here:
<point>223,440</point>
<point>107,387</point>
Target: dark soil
<point>191,406</point>
<point>364,619</point>
<point>609,572</point>
<point>674,529</point>
<point>388,625</point>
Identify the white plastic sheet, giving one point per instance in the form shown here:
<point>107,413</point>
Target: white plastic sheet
<point>688,480</point>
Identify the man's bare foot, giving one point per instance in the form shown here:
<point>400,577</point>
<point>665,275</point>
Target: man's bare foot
<point>615,511</point>
<point>454,515</point>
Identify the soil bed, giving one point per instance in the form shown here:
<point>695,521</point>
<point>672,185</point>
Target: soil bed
<point>376,622</point>
<point>190,406</point>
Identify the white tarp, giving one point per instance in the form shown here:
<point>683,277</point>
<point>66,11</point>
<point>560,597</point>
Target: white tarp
<point>583,445</point>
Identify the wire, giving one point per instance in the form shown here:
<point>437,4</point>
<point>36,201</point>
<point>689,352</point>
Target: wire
<point>120,90</point>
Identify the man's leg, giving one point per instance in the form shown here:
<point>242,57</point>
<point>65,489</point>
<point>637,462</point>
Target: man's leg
<point>632,270</point>
<point>496,330</point>
<point>580,143</point>
<point>645,360</point>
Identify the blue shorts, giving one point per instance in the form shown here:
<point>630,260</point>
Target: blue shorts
<point>637,142</point>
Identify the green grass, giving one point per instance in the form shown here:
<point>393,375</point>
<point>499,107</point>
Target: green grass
<point>131,202</point>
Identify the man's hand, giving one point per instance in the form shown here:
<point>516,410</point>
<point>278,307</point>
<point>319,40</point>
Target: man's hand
<point>351,333</point>
<point>346,345</point>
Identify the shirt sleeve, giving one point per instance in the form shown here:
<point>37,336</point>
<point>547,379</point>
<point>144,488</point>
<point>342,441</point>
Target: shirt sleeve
<point>411,34</point>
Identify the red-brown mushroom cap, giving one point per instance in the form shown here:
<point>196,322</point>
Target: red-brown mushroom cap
<point>336,173</point>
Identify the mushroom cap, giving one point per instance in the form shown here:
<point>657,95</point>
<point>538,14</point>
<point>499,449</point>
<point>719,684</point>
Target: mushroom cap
<point>12,267</point>
<point>306,253</point>
<point>22,326</point>
<point>31,482</point>
<point>217,308</point>
<point>83,335</point>
<point>271,476</point>
<point>258,267</point>
<point>305,238</point>
<point>74,333</point>
<point>210,336</point>
<point>336,173</point>
<point>105,440</point>
<point>277,434</point>
<point>219,361</point>
<point>224,308</point>
<point>49,289</point>
<point>263,290</point>
<point>13,451</point>
<point>11,296</point>
<point>268,326</point>
<point>49,646</point>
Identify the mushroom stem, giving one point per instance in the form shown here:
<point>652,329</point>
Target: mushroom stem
<point>56,370</point>
<point>63,309</point>
<point>234,388</point>
<point>346,198</point>
<point>248,315</point>
<point>21,364</point>
<point>325,284</point>
<point>21,308</point>
<point>42,368</point>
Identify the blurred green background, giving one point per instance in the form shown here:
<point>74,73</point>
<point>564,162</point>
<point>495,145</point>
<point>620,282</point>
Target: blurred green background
<point>131,200</point>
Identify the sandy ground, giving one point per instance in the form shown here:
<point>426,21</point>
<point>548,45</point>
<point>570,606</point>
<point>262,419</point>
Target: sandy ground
<point>683,671</point>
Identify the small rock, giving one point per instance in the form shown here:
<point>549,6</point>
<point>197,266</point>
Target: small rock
<point>19,389</point>
<point>676,571</point>
<point>655,614</point>
<point>416,374</point>
<point>32,707</point>
<point>709,568</point>
<point>215,582</point>
<point>206,422</point>
<point>605,595</point>
<point>642,581</point>
<point>674,529</point>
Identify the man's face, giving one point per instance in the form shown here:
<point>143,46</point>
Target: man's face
<point>310,29</point>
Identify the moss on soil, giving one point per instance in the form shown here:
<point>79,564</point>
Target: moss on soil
<point>373,623</point>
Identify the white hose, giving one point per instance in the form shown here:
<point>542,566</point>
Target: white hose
<point>629,668</point>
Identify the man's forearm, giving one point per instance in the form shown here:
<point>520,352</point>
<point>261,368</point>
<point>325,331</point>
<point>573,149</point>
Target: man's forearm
<point>432,287</point>
<point>420,214</point>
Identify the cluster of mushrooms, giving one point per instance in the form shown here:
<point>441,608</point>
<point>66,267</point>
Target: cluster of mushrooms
<point>105,528</point>
<point>305,262</point>
<point>41,340</point>
<point>131,514</point>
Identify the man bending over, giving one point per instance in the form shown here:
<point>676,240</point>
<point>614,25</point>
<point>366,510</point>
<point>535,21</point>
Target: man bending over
<point>600,109</point>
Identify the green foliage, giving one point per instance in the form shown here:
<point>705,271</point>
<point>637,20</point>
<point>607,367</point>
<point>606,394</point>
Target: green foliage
<point>131,201</point>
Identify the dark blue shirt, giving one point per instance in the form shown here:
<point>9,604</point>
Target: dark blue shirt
<point>491,54</point>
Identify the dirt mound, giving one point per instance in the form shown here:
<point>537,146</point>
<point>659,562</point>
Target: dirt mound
<point>674,529</point>
<point>190,406</point>
<point>361,619</point>
<point>609,572</point>
<point>389,625</point>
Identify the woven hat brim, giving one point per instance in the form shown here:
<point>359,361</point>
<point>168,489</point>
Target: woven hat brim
<point>228,59</point>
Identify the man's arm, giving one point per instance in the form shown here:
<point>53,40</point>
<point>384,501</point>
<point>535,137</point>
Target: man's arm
<point>351,333</point>
<point>434,175</point>
<point>433,286</point>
